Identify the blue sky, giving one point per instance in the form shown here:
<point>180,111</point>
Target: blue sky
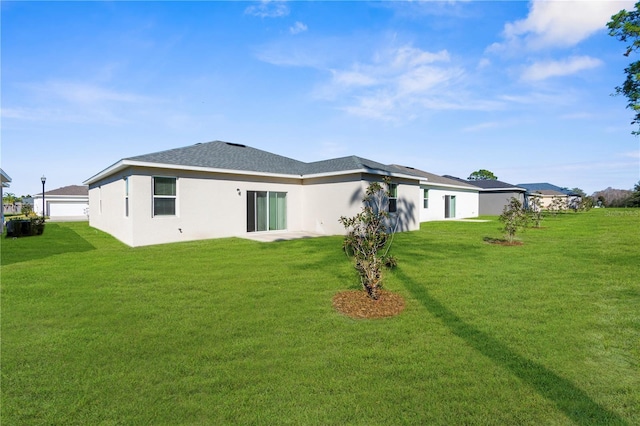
<point>520,88</point>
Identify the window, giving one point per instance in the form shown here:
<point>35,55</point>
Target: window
<point>164,196</point>
<point>426,199</point>
<point>266,211</point>
<point>393,197</point>
<point>126,196</point>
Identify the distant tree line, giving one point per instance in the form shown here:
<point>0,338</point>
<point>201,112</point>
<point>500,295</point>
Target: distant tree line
<point>611,197</point>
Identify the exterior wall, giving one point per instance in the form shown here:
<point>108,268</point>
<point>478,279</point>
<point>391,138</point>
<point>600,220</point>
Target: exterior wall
<point>106,208</point>
<point>215,206</point>
<point>327,199</point>
<point>207,206</point>
<point>492,203</point>
<point>467,202</point>
<point>547,200</point>
<point>409,205</point>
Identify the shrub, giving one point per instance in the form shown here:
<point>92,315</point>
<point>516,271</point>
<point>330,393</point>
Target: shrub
<point>369,237</point>
<point>514,218</point>
<point>535,211</point>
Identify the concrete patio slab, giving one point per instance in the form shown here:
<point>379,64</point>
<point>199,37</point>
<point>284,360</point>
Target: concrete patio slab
<point>268,237</point>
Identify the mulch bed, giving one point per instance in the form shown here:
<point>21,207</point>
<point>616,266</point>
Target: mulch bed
<point>357,304</point>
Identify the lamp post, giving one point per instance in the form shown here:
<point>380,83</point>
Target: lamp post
<point>43,179</point>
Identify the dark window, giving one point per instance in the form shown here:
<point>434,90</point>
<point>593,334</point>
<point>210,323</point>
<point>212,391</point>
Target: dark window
<point>393,198</point>
<point>164,196</point>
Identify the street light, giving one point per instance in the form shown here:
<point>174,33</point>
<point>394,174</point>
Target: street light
<point>43,179</point>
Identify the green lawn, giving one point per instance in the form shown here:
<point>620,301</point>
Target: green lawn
<point>234,331</point>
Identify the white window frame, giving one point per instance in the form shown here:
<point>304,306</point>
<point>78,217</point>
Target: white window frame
<point>126,196</point>
<point>393,198</point>
<point>174,197</point>
<point>425,198</point>
<point>267,213</point>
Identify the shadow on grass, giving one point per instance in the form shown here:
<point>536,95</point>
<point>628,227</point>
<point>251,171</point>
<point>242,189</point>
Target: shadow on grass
<point>572,401</point>
<point>55,240</point>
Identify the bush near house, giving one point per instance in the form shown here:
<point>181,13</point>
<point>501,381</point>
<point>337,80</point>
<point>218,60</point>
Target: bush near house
<point>22,226</point>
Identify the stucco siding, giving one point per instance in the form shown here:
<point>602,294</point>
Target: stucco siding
<point>206,206</point>
<point>325,200</point>
<point>493,203</point>
<point>328,199</point>
<point>465,204</point>
<point>106,208</point>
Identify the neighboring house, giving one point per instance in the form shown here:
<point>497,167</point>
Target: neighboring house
<point>495,194</point>
<point>66,203</point>
<point>546,192</point>
<point>5,182</point>
<point>445,198</point>
<point>221,189</point>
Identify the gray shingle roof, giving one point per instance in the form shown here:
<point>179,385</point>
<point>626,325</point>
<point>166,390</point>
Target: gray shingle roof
<point>494,184</point>
<point>444,180</point>
<point>227,156</point>
<point>71,190</point>
<point>231,156</point>
<point>489,184</point>
<point>347,163</point>
<point>537,187</point>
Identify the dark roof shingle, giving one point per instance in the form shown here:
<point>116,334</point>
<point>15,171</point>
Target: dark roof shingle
<point>225,155</point>
<point>71,190</point>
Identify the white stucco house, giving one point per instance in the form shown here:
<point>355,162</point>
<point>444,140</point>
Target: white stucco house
<point>66,203</point>
<point>5,182</point>
<point>445,198</point>
<point>222,189</point>
<point>546,192</point>
<point>494,194</point>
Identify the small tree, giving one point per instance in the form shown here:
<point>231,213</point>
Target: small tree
<point>625,26</point>
<point>634,199</point>
<point>558,205</point>
<point>27,209</point>
<point>514,217</point>
<point>369,237</point>
<point>482,174</point>
<point>586,204</point>
<point>9,198</point>
<point>535,211</point>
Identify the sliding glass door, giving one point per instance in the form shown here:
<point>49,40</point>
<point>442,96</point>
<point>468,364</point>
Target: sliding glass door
<point>449,206</point>
<point>266,211</point>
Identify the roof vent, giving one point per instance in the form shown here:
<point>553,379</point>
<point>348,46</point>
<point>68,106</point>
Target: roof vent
<point>239,145</point>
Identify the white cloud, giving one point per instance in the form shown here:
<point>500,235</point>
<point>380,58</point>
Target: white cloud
<point>84,93</point>
<point>559,23</point>
<point>268,9</point>
<point>353,78</point>
<point>399,83</point>
<point>483,126</point>
<point>298,28</point>
<point>632,154</point>
<point>62,101</point>
<point>393,83</point>
<point>543,70</point>
<point>408,56</point>
<point>578,116</point>
<point>483,63</point>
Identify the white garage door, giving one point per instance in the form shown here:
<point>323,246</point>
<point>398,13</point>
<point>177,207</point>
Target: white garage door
<point>67,209</point>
